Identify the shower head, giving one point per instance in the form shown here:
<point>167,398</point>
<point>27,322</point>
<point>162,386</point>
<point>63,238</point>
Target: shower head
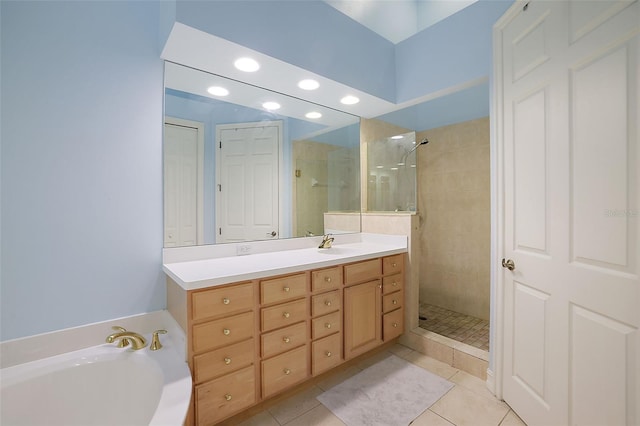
<point>424,142</point>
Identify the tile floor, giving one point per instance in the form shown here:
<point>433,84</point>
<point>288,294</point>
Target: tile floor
<point>463,328</point>
<point>467,403</point>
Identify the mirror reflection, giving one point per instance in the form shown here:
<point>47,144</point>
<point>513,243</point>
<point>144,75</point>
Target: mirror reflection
<point>243,163</point>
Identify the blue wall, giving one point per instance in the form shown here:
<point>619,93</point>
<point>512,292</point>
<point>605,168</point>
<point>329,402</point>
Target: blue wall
<point>81,132</point>
<point>81,169</point>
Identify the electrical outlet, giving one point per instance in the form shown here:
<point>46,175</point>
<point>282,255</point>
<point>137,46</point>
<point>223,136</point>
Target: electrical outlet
<point>242,249</point>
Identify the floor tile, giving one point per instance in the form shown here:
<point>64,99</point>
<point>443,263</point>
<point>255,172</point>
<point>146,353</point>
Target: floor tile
<point>319,416</point>
<point>337,378</point>
<point>400,350</point>
<point>430,364</point>
<point>263,418</point>
<point>472,383</point>
<point>512,419</point>
<point>463,328</point>
<point>463,407</point>
<point>429,418</point>
<point>295,406</point>
<point>373,359</point>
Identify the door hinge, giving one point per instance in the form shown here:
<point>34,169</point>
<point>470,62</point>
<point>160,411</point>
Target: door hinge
<point>220,144</point>
<point>219,231</point>
<point>219,188</point>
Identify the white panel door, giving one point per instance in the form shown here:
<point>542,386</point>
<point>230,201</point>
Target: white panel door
<point>183,210</point>
<point>567,90</point>
<point>248,181</point>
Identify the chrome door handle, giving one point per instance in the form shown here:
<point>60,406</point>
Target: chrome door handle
<point>509,264</point>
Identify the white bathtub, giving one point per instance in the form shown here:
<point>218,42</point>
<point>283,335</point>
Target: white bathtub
<point>100,385</point>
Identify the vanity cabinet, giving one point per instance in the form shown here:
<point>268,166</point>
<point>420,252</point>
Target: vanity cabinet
<point>221,324</point>
<point>250,341</point>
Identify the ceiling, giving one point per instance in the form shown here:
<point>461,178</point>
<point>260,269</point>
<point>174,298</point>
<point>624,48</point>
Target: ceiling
<point>397,20</point>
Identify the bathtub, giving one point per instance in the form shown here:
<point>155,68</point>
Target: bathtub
<point>100,385</point>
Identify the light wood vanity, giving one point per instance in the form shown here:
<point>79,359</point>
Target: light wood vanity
<point>249,341</point>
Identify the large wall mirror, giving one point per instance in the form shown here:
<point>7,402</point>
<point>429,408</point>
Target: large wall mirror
<point>242,163</point>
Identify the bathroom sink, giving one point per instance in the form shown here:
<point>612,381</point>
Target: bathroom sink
<point>336,251</point>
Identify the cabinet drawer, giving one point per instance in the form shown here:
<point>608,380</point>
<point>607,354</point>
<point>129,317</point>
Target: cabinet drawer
<point>283,288</point>
<point>284,339</point>
<point>391,283</point>
<point>325,353</point>
<point>283,371</point>
<point>362,271</point>
<point>324,303</point>
<point>326,279</point>
<point>283,314</point>
<point>223,361</point>
<point>393,264</point>
<point>326,325</point>
<point>392,301</point>
<point>225,396</point>
<point>222,332</point>
<point>392,324</point>
<point>221,301</point>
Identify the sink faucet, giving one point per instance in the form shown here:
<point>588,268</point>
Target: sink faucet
<point>326,241</point>
<point>127,337</point>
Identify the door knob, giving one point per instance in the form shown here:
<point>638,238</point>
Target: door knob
<point>509,264</point>
<point>271,234</point>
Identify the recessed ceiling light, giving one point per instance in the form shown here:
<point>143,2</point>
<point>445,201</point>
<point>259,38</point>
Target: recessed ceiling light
<point>308,84</point>
<point>379,167</point>
<point>349,100</point>
<point>394,168</point>
<point>413,165</point>
<point>218,91</point>
<point>400,164</point>
<point>397,137</point>
<point>247,64</point>
<point>313,114</point>
<point>271,106</point>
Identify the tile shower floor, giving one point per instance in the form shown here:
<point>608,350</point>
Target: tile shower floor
<point>463,328</point>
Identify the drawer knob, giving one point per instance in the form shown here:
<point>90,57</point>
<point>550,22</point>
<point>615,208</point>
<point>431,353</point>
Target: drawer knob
<point>393,265</point>
<point>286,339</point>
<point>328,325</point>
<point>226,332</point>
<point>286,289</point>
<point>394,301</point>
<point>327,302</point>
<point>287,371</point>
<point>395,325</point>
<point>379,285</point>
<point>327,279</point>
<point>286,314</point>
<point>227,360</point>
<point>395,284</point>
<point>226,301</point>
<point>328,354</point>
<point>227,397</point>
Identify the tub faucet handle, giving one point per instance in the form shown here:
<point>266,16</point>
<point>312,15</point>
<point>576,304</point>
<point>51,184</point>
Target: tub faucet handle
<point>155,340</point>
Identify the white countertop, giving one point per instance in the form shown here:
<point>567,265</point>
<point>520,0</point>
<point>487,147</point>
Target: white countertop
<point>196,274</point>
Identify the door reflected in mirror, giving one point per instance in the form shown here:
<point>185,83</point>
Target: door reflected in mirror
<point>236,169</point>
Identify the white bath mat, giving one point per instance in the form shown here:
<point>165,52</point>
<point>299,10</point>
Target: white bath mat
<point>392,392</point>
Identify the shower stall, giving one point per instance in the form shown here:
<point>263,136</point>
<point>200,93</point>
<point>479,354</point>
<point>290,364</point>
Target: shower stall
<point>444,178</point>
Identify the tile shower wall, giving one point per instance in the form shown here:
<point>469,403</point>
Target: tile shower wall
<point>454,201</point>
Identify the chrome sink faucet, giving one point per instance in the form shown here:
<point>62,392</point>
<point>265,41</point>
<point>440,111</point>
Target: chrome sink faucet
<point>127,338</point>
<point>326,241</point>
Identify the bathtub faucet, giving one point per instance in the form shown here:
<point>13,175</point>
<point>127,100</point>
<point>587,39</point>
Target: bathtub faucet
<point>127,337</point>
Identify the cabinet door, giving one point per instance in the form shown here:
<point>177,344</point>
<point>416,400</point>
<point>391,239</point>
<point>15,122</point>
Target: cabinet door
<point>362,320</point>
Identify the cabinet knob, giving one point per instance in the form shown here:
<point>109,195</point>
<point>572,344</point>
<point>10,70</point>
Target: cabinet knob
<point>225,301</point>
<point>327,302</point>
<point>327,279</point>
<point>227,397</point>
<point>393,265</point>
<point>328,354</point>
<point>227,360</point>
<point>226,332</point>
<point>286,314</point>
<point>395,284</point>
<point>286,289</point>
<point>328,325</point>
<point>394,301</point>
<point>395,325</point>
<point>286,339</point>
<point>287,371</point>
